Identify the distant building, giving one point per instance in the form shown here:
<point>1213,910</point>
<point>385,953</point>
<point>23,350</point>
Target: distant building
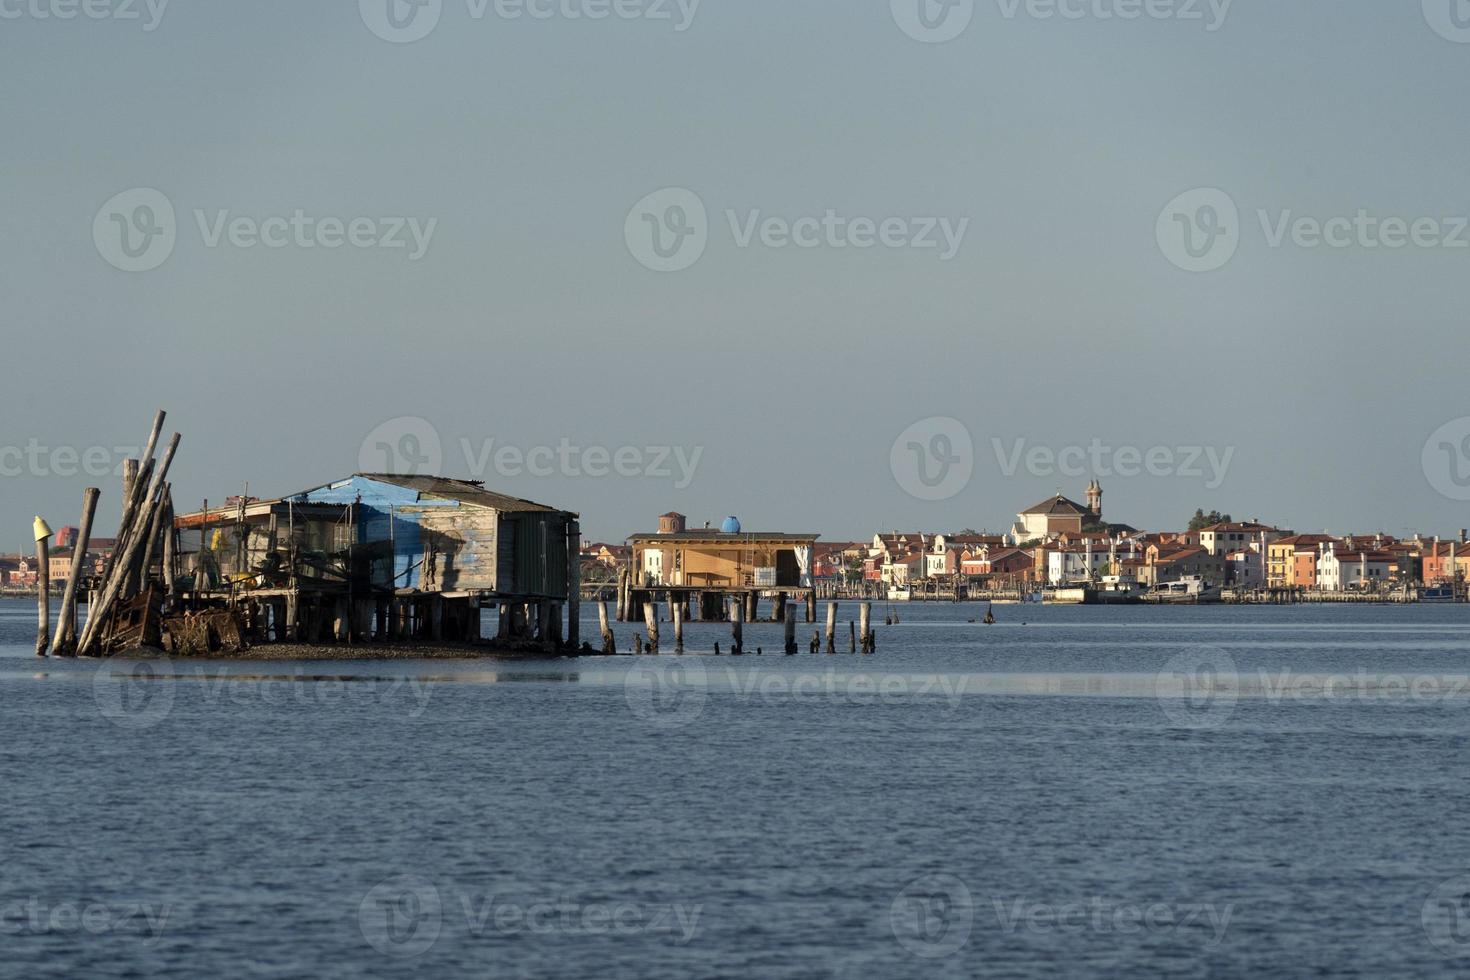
<point>1284,570</point>
<point>1173,564</point>
<point>1053,516</point>
<point>1346,571</point>
<point>1221,539</point>
<point>728,558</point>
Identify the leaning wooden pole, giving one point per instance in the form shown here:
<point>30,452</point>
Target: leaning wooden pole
<point>114,586</point>
<point>170,545</point>
<point>66,626</point>
<point>43,586</point>
<point>136,476</point>
<point>151,541</point>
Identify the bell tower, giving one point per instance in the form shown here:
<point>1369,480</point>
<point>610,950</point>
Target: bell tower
<point>1094,499</point>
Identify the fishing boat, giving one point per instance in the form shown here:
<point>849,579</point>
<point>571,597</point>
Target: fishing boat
<point>1437,593</point>
<point>1115,590</point>
<point>1191,589</point>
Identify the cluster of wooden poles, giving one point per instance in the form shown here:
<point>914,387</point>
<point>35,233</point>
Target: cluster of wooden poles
<point>736,604</point>
<point>145,534</point>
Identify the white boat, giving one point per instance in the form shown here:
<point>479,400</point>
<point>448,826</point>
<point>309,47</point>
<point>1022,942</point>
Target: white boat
<point>1190,589</point>
<point>1116,590</point>
<point>897,593</point>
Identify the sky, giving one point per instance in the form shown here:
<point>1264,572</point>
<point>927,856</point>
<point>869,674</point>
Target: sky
<point>836,266</point>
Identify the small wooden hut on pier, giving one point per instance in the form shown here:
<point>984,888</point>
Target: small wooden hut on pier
<point>707,568</point>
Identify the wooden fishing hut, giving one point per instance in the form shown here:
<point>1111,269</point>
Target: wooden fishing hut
<point>708,569</point>
<point>384,557</point>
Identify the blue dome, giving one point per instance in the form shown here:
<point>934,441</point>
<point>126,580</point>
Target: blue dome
<point>731,525</point>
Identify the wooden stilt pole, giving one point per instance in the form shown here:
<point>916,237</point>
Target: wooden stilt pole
<point>678,611</point>
<point>851,637</point>
<point>831,627</point>
<point>650,620</point>
<point>737,626</point>
<point>790,630</point>
<point>865,622</point>
<point>43,587</point>
<point>574,585</point>
<point>543,622</point>
<point>609,644</point>
<point>66,626</point>
<point>170,545</point>
<point>293,615</point>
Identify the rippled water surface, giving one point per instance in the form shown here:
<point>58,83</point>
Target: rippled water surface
<point>1197,792</point>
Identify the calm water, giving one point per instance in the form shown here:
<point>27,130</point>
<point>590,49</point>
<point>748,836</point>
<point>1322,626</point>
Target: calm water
<point>1118,792</point>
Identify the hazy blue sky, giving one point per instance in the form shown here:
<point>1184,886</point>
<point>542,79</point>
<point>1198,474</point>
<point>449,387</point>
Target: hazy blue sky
<point>1060,319</point>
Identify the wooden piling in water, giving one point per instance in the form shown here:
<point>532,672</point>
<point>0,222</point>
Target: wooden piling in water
<point>737,626</point>
<point>851,637</point>
<point>66,626</point>
<point>650,620</point>
<point>811,606</point>
<point>790,630</point>
<point>678,610</point>
<point>574,585</point>
<point>609,644</point>
<point>43,587</point>
<point>865,623</point>
<point>831,627</point>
